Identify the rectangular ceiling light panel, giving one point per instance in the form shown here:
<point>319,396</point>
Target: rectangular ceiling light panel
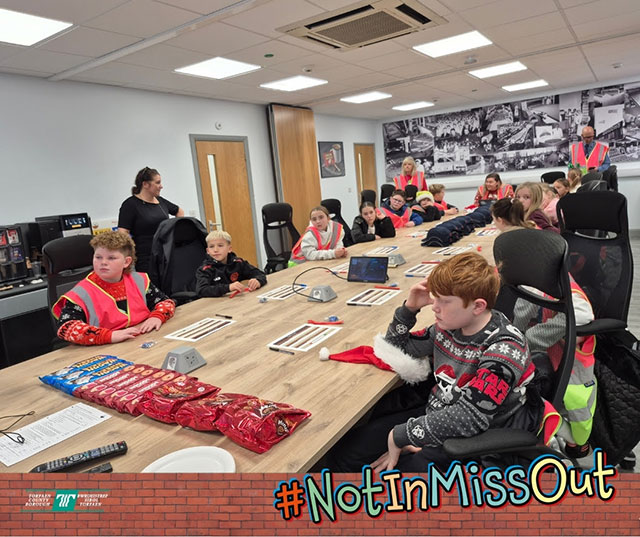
<point>218,68</point>
<point>22,29</point>
<point>453,45</point>
<point>498,70</point>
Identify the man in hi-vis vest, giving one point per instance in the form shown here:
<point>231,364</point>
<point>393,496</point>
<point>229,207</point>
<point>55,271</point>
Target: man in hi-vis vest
<point>590,155</point>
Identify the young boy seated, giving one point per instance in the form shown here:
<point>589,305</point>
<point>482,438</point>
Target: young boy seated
<point>425,207</point>
<point>438,199</point>
<point>479,361</point>
<point>397,209</point>
<point>222,271</point>
<point>113,303</point>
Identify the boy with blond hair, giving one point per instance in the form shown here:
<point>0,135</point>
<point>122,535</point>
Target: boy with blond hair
<point>437,190</point>
<point>222,271</point>
<point>113,303</point>
<point>479,361</point>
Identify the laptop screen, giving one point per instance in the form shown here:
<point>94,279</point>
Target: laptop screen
<point>368,269</point>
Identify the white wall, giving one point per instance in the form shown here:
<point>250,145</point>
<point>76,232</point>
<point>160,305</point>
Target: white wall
<point>348,131</point>
<point>69,147</point>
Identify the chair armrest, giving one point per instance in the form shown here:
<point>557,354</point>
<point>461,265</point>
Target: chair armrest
<point>184,296</point>
<point>600,326</point>
<point>490,441</point>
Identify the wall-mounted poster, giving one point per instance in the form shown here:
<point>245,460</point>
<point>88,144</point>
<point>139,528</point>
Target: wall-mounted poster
<point>331,159</point>
<point>522,135</point>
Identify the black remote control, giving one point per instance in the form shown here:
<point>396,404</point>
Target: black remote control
<point>63,464</point>
<point>103,468</point>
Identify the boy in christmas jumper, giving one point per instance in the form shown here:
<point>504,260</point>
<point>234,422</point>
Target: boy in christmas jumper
<point>113,303</point>
<point>222,271</point>
<point>479,361</point>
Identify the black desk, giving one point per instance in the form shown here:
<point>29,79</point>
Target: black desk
<point>25,322</point>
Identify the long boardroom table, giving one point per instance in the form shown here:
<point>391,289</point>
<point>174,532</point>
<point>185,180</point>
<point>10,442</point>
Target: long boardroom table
<point>239,361</point>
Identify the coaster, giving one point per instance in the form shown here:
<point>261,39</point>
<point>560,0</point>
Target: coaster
<point>372,297</point>
<point>381,250</point>
<point>452,250</point>
<point>283,292</point>
<point>422,270</point>
<point>303,338</point>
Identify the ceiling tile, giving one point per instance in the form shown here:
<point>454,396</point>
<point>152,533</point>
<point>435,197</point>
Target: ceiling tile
<point>602,9</point>
<point>455,25</point>
<point>6,50</point>
<point>395,59</point>
<point>557,61</point>
<point>76,11</point>
<point>571,3</point>
<point>164,57</point>
<point>533,43</point>
<point>264,18</point>
<point>282,52</point>
<point>43,61</point>
<point>507,11</point>
<point>485,56</point>
<point>463,5</point>
<point>124,74</point>
<point>371,80</point>
<point>527,27</point>
<point>216,39</point>
<point>364,53</point>
<point>88,42</point>
<point>142,18</point>
<point>608,27</point>
<point>203,7</point>
<point>347,71</point>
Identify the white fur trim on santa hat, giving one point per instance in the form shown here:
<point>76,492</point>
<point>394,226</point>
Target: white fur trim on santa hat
<point>410,369</point>
<point>324,354</point>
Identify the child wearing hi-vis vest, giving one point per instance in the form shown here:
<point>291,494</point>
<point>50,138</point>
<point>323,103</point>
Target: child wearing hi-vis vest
<point>544,330</point>
<point>113,303</point>
<point>321,240</point>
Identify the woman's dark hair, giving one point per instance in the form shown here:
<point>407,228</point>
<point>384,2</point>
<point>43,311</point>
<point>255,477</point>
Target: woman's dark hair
<point>511,211</point>
<point>495,176</point>
<point>144,175</point>
<point>366,204</point>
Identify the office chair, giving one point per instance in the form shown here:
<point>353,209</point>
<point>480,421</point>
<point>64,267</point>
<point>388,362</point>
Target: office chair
<point>610,175</point>
<point>368,195</point>
<point>335,207</point>
<point>596,227</point>
<point>178,249</point>
<point>591,176</point>
<point>592,186</point>
<point>385,191</point>
<point>279,235</point>
<point>66,261</point>
<point>411,191</point>
<point>551,177</point>
<point>527,257</point>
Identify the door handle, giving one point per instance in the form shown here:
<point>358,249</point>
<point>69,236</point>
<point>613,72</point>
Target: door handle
<point>212,224</point>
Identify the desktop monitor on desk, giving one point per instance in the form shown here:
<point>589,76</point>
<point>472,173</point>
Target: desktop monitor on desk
<point>63,225</point>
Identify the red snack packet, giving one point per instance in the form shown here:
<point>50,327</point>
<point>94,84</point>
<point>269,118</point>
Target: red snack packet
<point>164,401</point>
<point>202,414</point>
<point>258,424</point>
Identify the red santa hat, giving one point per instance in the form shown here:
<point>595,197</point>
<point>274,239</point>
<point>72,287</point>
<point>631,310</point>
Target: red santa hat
<point>385,356</point>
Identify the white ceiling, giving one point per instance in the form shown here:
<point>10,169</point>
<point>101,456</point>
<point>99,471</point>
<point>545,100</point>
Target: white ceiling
<point>567,42</point>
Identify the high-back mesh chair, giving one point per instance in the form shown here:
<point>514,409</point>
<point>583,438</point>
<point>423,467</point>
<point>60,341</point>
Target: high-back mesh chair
<point>596,227</point>
<point>279,235</point>
<point>593,175</point>
<point>335,212</point>
<point>534,272</point>
<point>178,249</point>
<point>411,191</point>
<point>551,177</point>
<point>610,175</point>
<point>592,186</point>
<point>368,195</point>
<point>66,261</point>
<point>386,190</point>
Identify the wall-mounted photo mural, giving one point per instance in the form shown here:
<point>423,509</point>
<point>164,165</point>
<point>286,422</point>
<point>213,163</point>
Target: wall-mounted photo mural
<point>521,135</point>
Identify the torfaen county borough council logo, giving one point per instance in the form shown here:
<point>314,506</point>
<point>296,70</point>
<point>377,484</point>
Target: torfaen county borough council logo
<point>85,500</point>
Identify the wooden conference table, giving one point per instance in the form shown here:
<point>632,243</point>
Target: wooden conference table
<point>238,361</point>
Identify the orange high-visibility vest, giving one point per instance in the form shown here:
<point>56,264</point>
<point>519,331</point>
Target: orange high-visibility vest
<point>336,230</point>
<point>595,159</point>
<point>401,181</point>
<point>398,221</point>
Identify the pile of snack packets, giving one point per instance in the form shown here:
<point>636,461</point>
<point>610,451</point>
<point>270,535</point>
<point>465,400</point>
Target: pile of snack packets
<point>172,397</point>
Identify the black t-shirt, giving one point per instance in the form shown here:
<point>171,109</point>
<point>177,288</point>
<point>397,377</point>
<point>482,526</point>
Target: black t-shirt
<point>142,220</point>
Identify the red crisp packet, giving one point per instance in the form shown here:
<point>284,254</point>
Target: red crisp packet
<point>163,402</point>
<point>258,424</point>
<point>202,414</point>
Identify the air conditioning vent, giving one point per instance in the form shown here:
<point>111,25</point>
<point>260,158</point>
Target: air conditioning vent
<point>365,23</point>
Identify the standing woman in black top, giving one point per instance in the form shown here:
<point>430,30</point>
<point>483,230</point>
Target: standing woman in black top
<point>141,214</point>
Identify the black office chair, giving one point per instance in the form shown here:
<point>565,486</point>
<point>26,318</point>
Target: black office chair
<point>368,195</point>
<point>527,257</point>
<point>279,235</point>
<point>66,261</point>
<point>551,177</point>
<point>610,175</point>
<point>602,264</point>
<point>178,249</point>
<point>411,191</point>
<point>335,212</point>
<point>385,191</point>
<point>592,186</point>
<point>591,176</point>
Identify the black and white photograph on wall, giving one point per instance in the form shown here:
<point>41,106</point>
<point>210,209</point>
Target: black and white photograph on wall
<point>331,159</point>
<point>520,135</point>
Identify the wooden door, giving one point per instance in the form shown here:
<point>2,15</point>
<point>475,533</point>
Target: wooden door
<point>224,183</point>
<point>365,159</point>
